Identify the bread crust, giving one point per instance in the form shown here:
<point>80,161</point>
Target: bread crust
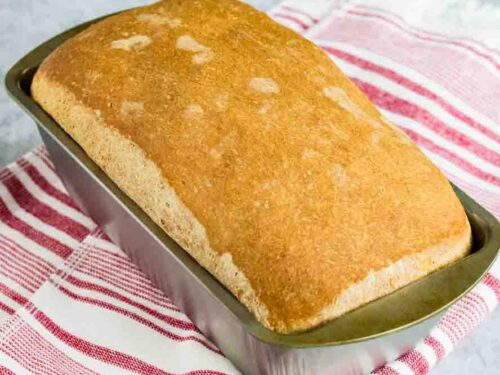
<point>126,164</point>
<point>300,198</point>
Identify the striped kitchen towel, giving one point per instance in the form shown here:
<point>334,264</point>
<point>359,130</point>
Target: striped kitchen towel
<point>71,301</point>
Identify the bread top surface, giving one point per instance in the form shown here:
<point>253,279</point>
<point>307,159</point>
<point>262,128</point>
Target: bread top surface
<point>286,164</point>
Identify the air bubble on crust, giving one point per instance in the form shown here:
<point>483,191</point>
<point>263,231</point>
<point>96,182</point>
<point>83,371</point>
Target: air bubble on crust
<point>136,42</point>
<point>130,108</point>
<point>264,85</point>
<point>203,54</point>
<point>339,175</point>
<point>193,111</point>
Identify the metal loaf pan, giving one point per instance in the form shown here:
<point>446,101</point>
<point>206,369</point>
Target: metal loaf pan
<point>356,342</point>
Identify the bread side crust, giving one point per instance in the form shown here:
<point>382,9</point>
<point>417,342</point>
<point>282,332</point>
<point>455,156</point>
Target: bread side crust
<point>128,166</point>
<point>387,280</point>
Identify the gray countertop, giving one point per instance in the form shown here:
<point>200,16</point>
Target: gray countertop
<point>26,23</point>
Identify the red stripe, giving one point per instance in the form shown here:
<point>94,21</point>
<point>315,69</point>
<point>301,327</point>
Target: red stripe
<point>493,283</point>
<point>46,186</point>
<point>6,371</point>
<point>426,38</point>
<point>403,81</point>
<point>4,173</point>
<point>137,318</point>
<point>485,198</point>
<point>465,184</point>
<point>437,62</point>
<point>18,272</point>
<point>481,306</point>
<point>454,327</point>
<point>6,308</point>
<point>119,262</point>
<point>42,239</point>
<point>32,260</point>
<point>402,107</point>
<point>12,294</point>
<point>427,35</point>
<point>460,319</point>
<point>44,157</point>
<point>27,343</point>
<point>184,325</point>
<point>121,270</point>
<point>385,370</point>
<point>17,277</point>
<point>301,12</point>
<point>466,312</point>
<point>16,350</point>
<point>42,211</point>
<point>416,361</point>
<point>397,105</point>
<point>473,308</point>
<point>11,259</point>
<point>140,292</point>
<point>436,346</point>
<point>425,142</point>
<point>302,25</point>
<point>98,352</point>
<point>430,33</point>
<point>15,270</point>
<point>465,165</point>
<point>40,150</point>
<point>460,323</point>
<point>449,328</point>
<point>103,270</point>
<point>135,288</point>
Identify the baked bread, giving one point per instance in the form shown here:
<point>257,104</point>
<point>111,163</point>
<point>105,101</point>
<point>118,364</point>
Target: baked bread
<point>254,152</point>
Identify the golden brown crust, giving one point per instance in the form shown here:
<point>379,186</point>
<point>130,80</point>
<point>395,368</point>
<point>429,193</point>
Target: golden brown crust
<point>125,163</point>
<point>297,183</point>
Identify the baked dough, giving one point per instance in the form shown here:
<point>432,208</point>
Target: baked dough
<point>254,152</point>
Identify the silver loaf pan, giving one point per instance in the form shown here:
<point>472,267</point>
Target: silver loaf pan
<point>354,343</point>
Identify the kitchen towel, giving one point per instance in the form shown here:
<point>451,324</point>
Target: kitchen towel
<point>71,301</point>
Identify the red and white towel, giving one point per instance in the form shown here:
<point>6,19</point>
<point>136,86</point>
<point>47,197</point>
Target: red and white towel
<point>71,301</point>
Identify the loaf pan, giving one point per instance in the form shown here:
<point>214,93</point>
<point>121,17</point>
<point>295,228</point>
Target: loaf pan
<point>354,343</point>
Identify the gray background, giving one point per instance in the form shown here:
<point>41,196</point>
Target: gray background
<point>26,23</point>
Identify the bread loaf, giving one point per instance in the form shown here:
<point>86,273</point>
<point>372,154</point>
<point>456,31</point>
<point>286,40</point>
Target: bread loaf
<point>253,151</point>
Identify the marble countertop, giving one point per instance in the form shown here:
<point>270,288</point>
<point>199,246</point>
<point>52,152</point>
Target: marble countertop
<point>26,23</point>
